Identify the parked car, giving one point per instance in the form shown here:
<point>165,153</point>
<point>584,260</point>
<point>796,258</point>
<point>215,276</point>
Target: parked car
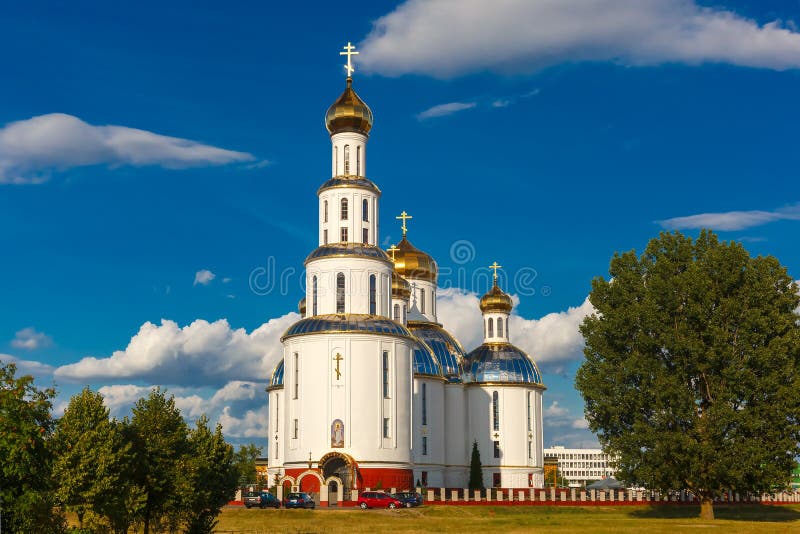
<point>378,499</point>
<point>263,500</point>
<point>298,500</point>
<point>409,498</point>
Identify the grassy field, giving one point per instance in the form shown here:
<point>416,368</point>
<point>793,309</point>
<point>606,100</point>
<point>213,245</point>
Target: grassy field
<point>507,519</point>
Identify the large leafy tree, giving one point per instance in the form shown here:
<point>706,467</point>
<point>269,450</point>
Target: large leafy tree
<point>692,370</point>
<point>245,461</point>
<point>26,499</point>
<point>159,437</point>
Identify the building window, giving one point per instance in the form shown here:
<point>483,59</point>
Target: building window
<point>530,450</point>
<point>343,235</point>
<point>424,404</point>
<point>365,236</point>
<point>496,449</point>
<point>396,312</point>
<point>496,480</point>
<point>296,375</point>
<point>296,429</point>
<point>385,427</point>
<point>325,211</point>
<point>372,295</point>
<point>422,300</point>
<point>499,327</point>
<point>344,209</point>
<point>491,327</point>
<point>358,161</point>
<point>340,293</point>
<point>529,412</point>
<point>335,160</point>
<point>314,295</point>
<point>424,445</point>
<point>424,478</point>
<point>365,210</point>
<point>495,411</point>
<point>347,159</point>
<point>385,374</point>
<point>325,237</point>
<point>405,311</point>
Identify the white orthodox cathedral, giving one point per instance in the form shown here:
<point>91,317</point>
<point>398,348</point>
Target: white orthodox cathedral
<point>372,391</point>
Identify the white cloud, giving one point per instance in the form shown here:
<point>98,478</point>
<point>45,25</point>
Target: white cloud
<point>201,353</point>
<point>203,277</point>
<point>447,38</point>
<point>28,367</point>
<point>442,110</point>
<point>252,425</point>
<point>555,411</point>
<point>731,220</point>
<point>501,103</point>
<point>581,423</point>
<point>31,149</point>
<point>30,339</point>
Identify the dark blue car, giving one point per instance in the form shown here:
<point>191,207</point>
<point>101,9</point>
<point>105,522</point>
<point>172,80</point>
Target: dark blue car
<point>298,500</point>
<point>409,498</point>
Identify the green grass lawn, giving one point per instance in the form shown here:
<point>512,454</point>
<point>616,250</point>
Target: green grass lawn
<point>506,519</point>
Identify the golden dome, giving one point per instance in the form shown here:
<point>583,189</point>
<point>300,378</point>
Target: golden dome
<point>301,306</point>
<point>411,263</point>
<point>497,301</point>
<point>401,289</point>
<point>349,113</point>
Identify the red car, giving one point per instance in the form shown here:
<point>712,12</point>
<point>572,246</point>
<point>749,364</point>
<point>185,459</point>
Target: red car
<point>377,499</point>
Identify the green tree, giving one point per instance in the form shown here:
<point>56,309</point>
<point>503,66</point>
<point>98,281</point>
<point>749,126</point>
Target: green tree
<point>26,497</point>
<point>159,436</point>
<point>91,456</point>
<point>691,374</point>
<point>475,471</point>
<point>245,461</point>
<point>209,478</point>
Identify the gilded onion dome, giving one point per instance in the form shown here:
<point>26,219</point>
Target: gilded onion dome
<point>401,289</point>
<point>413,264</point>
<point>496,300</point>
<point>349,113</point>
<point>301,306</point>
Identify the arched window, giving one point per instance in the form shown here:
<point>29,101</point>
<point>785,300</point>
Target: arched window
<point>325,211</point>
<point>336,160</point>
<point>358,161</point>
<point>396,312</point>
<point>422,300</point>
<point>344,210</point>
<point>495,411</point>
<point>529,413</point>
<point>340,293</point>
<point>365,210</point>
<point>314,296</point>
<point>347,159</point>
<point>491,327</point>
<point>499,327</point>
<point>296,375</point>
<point>372,295</point>
<point>405,311</point>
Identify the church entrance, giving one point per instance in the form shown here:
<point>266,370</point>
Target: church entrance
<point>333,493</point>
<point>336,464</point>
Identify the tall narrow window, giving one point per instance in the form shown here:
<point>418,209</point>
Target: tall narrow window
<point>277,418</point>
<point>424,445</point>
<point>385,374</point>
<point>385,427</point>
<point>530,450</point>
<point>325,237</point>
<point>347,159</point>
<point>529,411</point>
<point>495,411</point>
<point>422,300</point>
<point>365,210</point>
<point>314,296</point>
<point>340,293</point>
<point>365,236</point>
<point>396,312</point>
<point>344,210</point>
<point>372,295</point>
<point>296,375</point>
<point>424,404</point>
<point>336,160</point>
<point>296,430</point>
<point>497,449</point>
<point>499,327</point>
<point>343,235</point>
<point>491,327</point>
<point>358,161</point>
<point>325,211</point>
<point>405,312</point>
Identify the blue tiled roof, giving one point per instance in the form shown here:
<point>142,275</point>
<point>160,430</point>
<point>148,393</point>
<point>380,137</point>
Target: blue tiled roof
<point>446,349</point>
<point>349,181</point>
<point>500,362</point>
<point>277,376</point>
<point>425,362</point>
<point>349,249</point>
<point>347,322</point>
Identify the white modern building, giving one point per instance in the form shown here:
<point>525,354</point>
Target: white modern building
<point>372,391</point>
<point>579,466</point>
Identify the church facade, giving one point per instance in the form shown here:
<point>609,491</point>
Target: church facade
<point>372,391</point>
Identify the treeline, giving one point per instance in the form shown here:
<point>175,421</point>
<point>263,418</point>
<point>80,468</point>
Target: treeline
<point>150,471</point>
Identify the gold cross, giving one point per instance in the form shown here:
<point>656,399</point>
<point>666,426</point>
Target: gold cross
<point>338,358</point>
<point>393,250</point>
<point>349,51</point>
<point>495,267</point>
<point>404,217</point>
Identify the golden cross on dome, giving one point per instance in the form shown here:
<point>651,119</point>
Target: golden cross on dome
<point>349,51</point>
<point>495,267</point>
<point>404,217</point>
<point>393,250</point>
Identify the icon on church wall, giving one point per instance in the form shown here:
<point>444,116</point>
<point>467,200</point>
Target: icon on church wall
<point>337,433</point>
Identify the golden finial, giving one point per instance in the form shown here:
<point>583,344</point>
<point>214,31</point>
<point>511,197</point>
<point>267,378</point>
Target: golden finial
<point>349,51</point>
<point>495,266</point>
<point>393,250</point>
<point>404,217</point>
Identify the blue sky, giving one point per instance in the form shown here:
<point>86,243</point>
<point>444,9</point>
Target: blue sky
<point>143,143</point>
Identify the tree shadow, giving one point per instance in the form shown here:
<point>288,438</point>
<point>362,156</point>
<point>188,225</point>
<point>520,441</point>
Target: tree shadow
<point>733,512</point>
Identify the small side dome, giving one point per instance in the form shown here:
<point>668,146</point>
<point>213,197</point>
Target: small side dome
<point>425,362</point>
<point>349,113</point>
<point>413,264</point>
<point>496,300</point>
<point>401,289</point>
<point>301,306</point>
<point>448,351</point>
<point>501,363</point>
<point>277,376</point>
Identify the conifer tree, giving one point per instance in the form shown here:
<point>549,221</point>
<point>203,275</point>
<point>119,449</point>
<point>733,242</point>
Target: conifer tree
<point>475,471</point>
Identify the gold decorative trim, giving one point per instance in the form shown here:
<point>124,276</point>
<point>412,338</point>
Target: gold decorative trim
<point>371,186</point>
<point>506,384</point>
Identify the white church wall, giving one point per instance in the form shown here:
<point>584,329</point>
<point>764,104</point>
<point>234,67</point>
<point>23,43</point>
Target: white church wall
<point>357,271</point>
<point>430,435</point>
<point>455,438</point>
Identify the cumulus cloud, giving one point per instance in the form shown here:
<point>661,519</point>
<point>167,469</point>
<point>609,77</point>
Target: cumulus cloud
<point>447,38</point>
<point>203,277</point>
<point>28,367</point>
<point>442,110</point>
<point>32,149</point>
<point>581,423</point>
<point>202,353</point>
<point>732,220</point>
<point>555,410</point>
<point>30,339</point>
